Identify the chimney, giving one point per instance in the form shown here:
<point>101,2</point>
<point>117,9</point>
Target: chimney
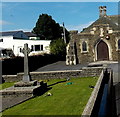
<point>102,10</point>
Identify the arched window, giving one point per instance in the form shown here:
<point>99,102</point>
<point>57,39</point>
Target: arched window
<point>119,44</point>
<point>84,46</point>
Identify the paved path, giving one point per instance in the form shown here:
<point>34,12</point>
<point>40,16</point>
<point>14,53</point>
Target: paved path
<point>60,66</point>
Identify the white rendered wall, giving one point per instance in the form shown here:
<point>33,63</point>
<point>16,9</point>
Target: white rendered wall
<point>7,42</point>
<point>16,44</point>
<point>20,44</point>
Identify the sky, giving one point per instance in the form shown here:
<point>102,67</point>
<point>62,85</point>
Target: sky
<point>75,15</point>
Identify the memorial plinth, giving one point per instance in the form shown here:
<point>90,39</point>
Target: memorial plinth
<point>25,84</point>
<point>22,90</point>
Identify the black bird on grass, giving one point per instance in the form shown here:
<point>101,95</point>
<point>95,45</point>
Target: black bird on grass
<point>90,86</point>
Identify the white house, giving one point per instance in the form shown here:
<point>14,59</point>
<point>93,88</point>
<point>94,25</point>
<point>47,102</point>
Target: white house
<point>32,36</point>
<point>15,40</point>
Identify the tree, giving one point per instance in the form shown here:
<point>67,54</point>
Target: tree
<point>58,47</point>
<point>47,27</point>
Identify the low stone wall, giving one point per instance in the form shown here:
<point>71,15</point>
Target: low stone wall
<point>91,102</point>
<point>85,72</point>
<point>11,78</point>
<point>101,101</point>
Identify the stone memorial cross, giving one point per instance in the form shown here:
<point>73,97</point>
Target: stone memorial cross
<point>26,51</point>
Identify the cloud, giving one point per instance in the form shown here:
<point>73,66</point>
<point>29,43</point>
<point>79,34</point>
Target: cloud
<point>2,22</point>
<point>79,27</point>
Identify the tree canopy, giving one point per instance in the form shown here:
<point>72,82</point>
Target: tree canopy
<point>48,28</point>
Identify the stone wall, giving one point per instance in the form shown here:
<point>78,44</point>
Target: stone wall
<point>91,102</point>
<point>90,55</point>
<point>92,40</point>
<point>11,78</point>
<point>99,104</point>
<point>85,72</point>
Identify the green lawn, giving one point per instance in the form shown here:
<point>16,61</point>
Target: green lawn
<point>6,85</point>
<point>66,99</point>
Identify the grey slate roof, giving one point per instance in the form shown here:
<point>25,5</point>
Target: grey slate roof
<point>9,33</point>
<point>30,34</point>
<point>114,18</point>
<point>111,20</point>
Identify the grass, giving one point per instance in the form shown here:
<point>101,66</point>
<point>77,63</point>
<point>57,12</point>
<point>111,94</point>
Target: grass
<point>66,99</point>
<point>6,85</point>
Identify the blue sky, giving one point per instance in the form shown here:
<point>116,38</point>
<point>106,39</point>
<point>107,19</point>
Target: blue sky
<point>75,15</point>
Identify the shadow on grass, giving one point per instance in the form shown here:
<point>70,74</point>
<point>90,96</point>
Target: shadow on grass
<point>42,90</point>
<point>57,83</point>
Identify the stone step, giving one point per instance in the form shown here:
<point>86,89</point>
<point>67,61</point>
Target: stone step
<point>15,95</point>
<point>25,84</point>
<point>19,90</point>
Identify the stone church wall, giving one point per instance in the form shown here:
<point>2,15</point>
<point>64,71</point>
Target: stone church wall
<point>92,40</point>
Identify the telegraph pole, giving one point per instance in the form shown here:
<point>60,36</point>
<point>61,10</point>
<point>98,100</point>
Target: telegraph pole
<point>64,37</point>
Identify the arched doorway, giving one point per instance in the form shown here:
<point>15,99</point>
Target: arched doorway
<point>102,51</point>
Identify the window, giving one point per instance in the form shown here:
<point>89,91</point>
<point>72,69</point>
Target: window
<point>119,44</point>
<point>1,40</point>
<point>32,48</point>
<point>36,47</point>
<point>84,46</point>
<point>20,49</point>
<point>41,47</point>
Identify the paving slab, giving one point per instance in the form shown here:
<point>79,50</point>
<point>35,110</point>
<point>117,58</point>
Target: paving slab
<point>60,66</point>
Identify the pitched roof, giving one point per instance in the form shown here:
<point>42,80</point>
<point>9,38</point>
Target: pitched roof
<point>30,34</point>
<point>114,18</point>
<point>111,20</point>
<point>9,33</point>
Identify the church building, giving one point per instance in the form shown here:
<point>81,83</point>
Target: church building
<point>98,42</point>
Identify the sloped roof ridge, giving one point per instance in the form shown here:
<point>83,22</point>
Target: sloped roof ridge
<point>11,31</point>
<point>113,15</point>
<point>30,34</point>
<point>101,20</point>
